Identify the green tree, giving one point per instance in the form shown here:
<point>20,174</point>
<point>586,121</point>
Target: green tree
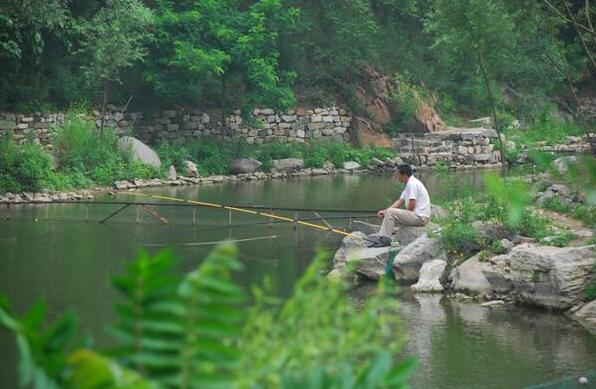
<point>114,39</point>
<point>206,48</point>
<point>479,31</point>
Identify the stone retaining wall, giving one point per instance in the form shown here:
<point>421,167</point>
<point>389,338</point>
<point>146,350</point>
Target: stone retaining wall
<point>296,125</point>
<point>461,147</point>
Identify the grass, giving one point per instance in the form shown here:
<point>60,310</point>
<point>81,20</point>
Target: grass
<point>549,131</point>
<point>214,157</point>
<point>85,159</point>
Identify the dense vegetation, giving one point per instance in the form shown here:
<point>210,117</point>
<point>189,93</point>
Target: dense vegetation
<point>83,158</point>
<point>476,56</point>
<point>197,330</point>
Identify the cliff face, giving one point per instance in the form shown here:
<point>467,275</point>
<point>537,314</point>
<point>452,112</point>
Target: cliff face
<point>374,97</point>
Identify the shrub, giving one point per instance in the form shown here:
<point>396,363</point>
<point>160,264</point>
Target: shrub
<point>23,167</point>
<point>457,236</point>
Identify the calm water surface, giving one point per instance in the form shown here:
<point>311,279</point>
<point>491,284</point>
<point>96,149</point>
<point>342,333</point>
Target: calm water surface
<point>459,344</point>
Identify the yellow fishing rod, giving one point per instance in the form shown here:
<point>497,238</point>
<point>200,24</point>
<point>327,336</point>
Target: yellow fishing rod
<point>244,210</point>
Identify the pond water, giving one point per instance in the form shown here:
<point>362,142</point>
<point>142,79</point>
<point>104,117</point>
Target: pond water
<point>68,262</point>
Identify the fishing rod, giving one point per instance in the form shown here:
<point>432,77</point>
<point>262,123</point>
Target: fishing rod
<point>100,202</point>
<point>248,211</point>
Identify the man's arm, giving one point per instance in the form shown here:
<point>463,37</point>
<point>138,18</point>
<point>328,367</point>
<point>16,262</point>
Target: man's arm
<point>396,204</point>
<point>412,204</point>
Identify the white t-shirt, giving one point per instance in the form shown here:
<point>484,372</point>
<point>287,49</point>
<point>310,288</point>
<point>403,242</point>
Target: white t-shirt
<point>416,190</point>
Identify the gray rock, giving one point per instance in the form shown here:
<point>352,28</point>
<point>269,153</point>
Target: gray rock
<point>407,234</point>
<point>140,151</point>
<point>172,174</point>
<point>369,262</point>
<point>367,228</point>
<point>348,244</point>
<point>430,276</point>
<point>494,303</point>
<point>545,276</point>
<point>328,166</point>
<point>377,162</point>
<point>351,165</point>
<point>507,245</point>
<point>469,277</point>
<point>245,166</point>
<point>481,157</point>
<point>438,211</point>
<point>562,163</point>
<point>190,169</point>
<point>288,164</point>
<point>121,185</point>
<point>407,264</point>
<point>587,315</point>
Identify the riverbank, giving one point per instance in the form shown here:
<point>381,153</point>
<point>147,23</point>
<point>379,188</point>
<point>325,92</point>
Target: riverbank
<point>510,246</point>
<point>45,196</point>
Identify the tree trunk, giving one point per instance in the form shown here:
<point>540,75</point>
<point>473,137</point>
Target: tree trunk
<point>224,128</point>
<point>492,105</point>
<point>103,108</point>
<point>581,36</point>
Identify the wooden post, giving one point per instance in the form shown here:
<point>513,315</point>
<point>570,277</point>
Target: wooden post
<point>295,218</point>
<point>350,224</point>
<point>7,211</point>
<point>46,212</point>
<point>229,217</point>
<point>137,208</point>
<point>270,218</point>
<point>86,213</point>
<point>194,216</point>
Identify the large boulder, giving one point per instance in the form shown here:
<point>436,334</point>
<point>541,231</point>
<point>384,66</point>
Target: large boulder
<point>431,274</point>
<point>407,264</point>
<point>407,234</point>
<point>545,276</point>
<point>288,164</point>
<point>469,277</point>
<point>190,169</point>
<point>351,165</point>
<point>245,166</point>
<point>587,315</point>
<point>172,174</point>
<point>369,262</point>
<point>140,151</point>
<point>354,257</point>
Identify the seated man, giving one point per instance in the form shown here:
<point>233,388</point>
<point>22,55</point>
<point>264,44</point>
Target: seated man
<point>415,197</point>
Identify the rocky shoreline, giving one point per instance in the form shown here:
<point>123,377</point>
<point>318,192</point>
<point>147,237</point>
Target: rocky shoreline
<point>527,273</point>
<point>47,196</point>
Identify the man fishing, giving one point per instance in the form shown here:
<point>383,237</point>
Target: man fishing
<point>417,213</point>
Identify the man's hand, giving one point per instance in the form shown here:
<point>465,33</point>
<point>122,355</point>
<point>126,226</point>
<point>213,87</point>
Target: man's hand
<point>381,213</point>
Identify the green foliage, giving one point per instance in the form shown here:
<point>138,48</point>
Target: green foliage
<point>180,333</point>
<point>114,39</point>
<point>42,351</point>
<point>24,167</point>
<point>184,332</point>
<point>89,158</point>
<point>318,326</point>
<point>508,199</point>
<point>457,235</point>
<point>550,131</point>
<point>206,47</point>
<point>90,370</point>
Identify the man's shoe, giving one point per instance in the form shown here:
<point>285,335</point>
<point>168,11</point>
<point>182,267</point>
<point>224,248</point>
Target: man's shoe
<point>376,240</point>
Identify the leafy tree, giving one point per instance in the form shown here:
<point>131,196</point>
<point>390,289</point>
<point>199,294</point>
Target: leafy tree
<point>26,29</point>
<point>478,31</point>
<point>206,48</point>
<point>114,39</point>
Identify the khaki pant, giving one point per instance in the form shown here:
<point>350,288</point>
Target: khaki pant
<point>402,217</point>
